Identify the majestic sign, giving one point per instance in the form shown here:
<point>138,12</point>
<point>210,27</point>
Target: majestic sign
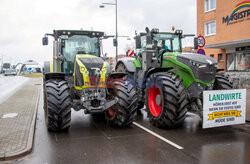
<point>236,17</point>
<point>201,41</point>
<point>224,107</point>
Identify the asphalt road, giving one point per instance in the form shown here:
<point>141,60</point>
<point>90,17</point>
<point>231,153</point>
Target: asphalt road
<point>91,140</point>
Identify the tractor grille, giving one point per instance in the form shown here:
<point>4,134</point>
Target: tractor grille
<point>78,76</point>
<point>205,74</point>
<point>92,64</point>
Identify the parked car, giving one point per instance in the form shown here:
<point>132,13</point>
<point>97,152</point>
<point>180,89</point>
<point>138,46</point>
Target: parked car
<point>10,72</point>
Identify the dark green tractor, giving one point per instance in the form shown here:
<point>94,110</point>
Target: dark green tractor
<point>170,82</point>
<point>79,78</point>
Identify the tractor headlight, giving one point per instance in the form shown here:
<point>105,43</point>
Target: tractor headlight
<point>196,64</point>
<point>203,66</point>
<point>104,69</point>
<point>82,69</point>
<point>101,72</point>
<point>87,72</point>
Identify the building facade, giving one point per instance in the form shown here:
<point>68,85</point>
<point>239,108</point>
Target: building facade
<point>225,24</point>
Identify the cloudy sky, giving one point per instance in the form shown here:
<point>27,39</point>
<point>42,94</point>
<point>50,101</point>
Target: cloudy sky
<point>24,22</point>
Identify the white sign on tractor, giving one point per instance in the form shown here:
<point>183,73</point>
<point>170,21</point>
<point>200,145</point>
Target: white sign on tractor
<point>130,52</point>
<point>224,107</point>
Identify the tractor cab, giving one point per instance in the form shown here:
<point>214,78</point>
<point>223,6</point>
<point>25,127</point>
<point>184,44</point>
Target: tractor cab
<point>163,41</point>
<point>69,43</point>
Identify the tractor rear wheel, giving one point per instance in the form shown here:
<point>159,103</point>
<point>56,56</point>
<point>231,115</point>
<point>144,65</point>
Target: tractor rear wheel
<point>57,105</point>
<point>123,113</point>
<point>166,100</point>
<point>223,82</point>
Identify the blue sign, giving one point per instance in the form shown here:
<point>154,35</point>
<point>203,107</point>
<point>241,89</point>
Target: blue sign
<point>201,51</point>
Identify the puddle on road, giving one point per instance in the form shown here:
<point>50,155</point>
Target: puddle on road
<point>10,115</point>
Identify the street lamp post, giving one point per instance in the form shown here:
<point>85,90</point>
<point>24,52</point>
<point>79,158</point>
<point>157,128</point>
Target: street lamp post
<point>116,28</point>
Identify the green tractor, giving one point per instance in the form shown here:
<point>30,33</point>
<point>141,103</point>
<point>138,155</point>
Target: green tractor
<point>167,81</point>
<point>79,78</point>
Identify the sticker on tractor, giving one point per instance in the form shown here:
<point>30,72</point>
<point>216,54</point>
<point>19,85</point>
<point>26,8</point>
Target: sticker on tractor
<point>224,107</point>
<point>130,52</point>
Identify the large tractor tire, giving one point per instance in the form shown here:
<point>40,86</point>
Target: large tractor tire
<point>223,82</point>
<point>166,100</point>
<point>121,68</point>
<point>57,105</point>
<point>123,113</point>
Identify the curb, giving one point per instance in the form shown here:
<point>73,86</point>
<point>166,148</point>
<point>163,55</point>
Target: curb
<point>29,146</point>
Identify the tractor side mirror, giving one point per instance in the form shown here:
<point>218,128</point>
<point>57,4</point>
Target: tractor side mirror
<point>105,56</point>
<point>138,42</point>
<point>195,43</point>
<point>45,40</point>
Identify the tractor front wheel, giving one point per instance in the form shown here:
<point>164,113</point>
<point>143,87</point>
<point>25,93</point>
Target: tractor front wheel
<point>57,105</point>
<point>223,82</point>
<point>166,100</point>
<point>121,68</point>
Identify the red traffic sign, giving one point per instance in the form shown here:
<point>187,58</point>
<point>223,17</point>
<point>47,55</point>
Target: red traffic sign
<point>130,52</point>
<point>201,51</point>
<point>201,41</point>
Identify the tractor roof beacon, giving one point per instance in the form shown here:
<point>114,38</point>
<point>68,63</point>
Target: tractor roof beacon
<point>168,81</point>
<point>79,78</point>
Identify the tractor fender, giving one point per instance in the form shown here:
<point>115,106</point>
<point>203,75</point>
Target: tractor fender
<point>108,67</point>
<point>155,70</point>
<point>128,63</point>
<point>54,75</point>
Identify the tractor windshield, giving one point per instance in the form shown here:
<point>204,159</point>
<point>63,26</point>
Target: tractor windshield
<point>78,44</point>
<point>167,41</point>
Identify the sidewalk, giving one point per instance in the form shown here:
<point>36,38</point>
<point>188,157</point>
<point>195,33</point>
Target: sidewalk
<point>17,120</point>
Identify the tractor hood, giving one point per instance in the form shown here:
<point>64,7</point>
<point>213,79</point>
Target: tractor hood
<point>92,64</point>
<point>90,71</point>
<point>197,58</point>
<point>203,67</point>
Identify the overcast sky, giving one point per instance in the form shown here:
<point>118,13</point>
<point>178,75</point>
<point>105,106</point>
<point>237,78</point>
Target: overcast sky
<point>24,22</point>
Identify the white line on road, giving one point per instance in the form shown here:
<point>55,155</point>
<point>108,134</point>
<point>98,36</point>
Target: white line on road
<point>158,136</point>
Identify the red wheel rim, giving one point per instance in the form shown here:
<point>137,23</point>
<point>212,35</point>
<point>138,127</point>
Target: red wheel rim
<point>154,108</point>
<point>111,112</point>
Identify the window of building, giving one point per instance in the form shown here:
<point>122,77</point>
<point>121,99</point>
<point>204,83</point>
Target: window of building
<point>239,61</point>
<point>220,57</point>
<point>210,5</point>
<point>230,62</point>
<point>212,55</point>
<point>210,28</point>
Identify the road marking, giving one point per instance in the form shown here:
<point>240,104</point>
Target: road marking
<point>158,136</point>
<point>10,115</point>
